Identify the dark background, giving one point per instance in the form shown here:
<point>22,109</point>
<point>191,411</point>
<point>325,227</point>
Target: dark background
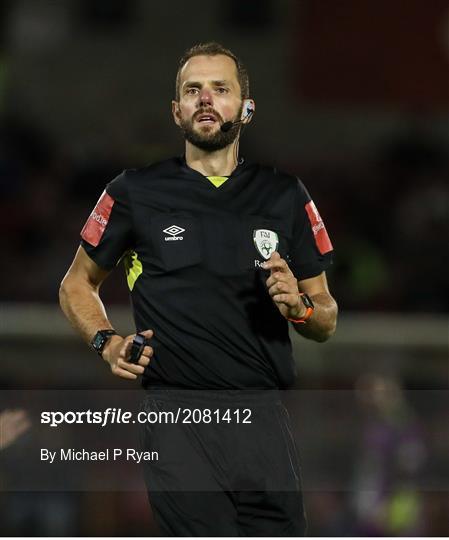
<point>352,97</point>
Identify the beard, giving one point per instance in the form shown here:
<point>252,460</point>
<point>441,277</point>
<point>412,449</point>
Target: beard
<point>210,141</point>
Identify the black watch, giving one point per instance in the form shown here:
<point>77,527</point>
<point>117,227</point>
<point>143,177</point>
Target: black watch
<point>100,339</point>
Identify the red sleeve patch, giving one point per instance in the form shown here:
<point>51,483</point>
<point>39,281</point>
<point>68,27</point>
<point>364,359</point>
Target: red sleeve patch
<point>322,239</point>
<point>96,223</point>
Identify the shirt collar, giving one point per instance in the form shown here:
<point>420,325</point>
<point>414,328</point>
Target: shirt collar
<point>241,163</point>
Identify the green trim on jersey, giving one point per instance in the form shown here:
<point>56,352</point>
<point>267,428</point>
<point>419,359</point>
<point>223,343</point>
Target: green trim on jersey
<point>217,181</point>
<point>133,268</point>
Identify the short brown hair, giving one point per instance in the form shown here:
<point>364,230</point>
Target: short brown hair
<point>213,49</point>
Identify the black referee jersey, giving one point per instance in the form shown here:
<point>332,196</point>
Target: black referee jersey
<point>192,254</point>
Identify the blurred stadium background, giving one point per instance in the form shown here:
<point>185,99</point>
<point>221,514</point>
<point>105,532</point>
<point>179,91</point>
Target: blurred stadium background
<point>353,97</point>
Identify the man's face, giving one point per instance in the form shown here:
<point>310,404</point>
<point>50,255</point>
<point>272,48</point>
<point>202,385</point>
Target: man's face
<point>209,96</point>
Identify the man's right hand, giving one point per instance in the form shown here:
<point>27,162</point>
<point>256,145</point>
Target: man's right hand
<point>117,352</point>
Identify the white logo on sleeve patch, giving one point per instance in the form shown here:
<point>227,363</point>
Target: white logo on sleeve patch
<point>266,242</point>
<point>174,231</point>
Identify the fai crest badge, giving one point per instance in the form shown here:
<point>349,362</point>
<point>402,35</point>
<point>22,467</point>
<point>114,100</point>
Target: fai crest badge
<point>266,242</point>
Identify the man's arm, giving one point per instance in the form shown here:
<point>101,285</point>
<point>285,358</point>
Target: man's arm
<point>323,322</point>
<point>284,289</point>
<point>79,296</point>
<point>81,304</point>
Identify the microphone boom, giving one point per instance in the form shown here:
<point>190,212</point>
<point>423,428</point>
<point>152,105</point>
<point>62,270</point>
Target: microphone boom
<point>226,126</point>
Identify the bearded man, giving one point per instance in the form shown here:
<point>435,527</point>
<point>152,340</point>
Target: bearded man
<point>220,255</point>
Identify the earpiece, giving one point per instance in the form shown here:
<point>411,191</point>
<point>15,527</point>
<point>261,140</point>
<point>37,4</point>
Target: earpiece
<point>247,109</point>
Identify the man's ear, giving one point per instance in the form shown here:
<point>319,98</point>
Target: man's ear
<point>248,110</point>
<point>176,112</point>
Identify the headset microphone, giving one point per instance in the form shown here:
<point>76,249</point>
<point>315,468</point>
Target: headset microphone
<point>226,126</point>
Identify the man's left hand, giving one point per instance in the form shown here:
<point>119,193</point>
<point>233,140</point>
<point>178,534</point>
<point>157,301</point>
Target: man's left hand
<point>283,288</point>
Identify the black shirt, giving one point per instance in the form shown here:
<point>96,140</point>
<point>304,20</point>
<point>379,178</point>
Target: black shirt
<point>192,253</point>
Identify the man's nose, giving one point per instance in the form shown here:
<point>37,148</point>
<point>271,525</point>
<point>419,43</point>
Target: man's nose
<point>205,97</point>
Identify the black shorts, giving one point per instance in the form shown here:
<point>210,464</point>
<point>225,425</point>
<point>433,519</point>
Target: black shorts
<point>227,464</point>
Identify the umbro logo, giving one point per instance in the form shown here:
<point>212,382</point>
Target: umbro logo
<point>174,231</point>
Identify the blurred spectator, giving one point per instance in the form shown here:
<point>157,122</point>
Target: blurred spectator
<point>391,458</point>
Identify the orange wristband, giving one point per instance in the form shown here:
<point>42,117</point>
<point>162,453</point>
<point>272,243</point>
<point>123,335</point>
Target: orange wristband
<point>309,311</point>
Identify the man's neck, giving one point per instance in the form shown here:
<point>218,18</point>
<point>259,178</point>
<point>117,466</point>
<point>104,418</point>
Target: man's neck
<point>219,163</point>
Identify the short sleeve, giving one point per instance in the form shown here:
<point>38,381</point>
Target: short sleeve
<point>311,250</point>
<point>107,233</point>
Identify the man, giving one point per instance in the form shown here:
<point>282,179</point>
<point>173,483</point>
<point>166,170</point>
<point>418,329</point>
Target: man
<point>220,254</point>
